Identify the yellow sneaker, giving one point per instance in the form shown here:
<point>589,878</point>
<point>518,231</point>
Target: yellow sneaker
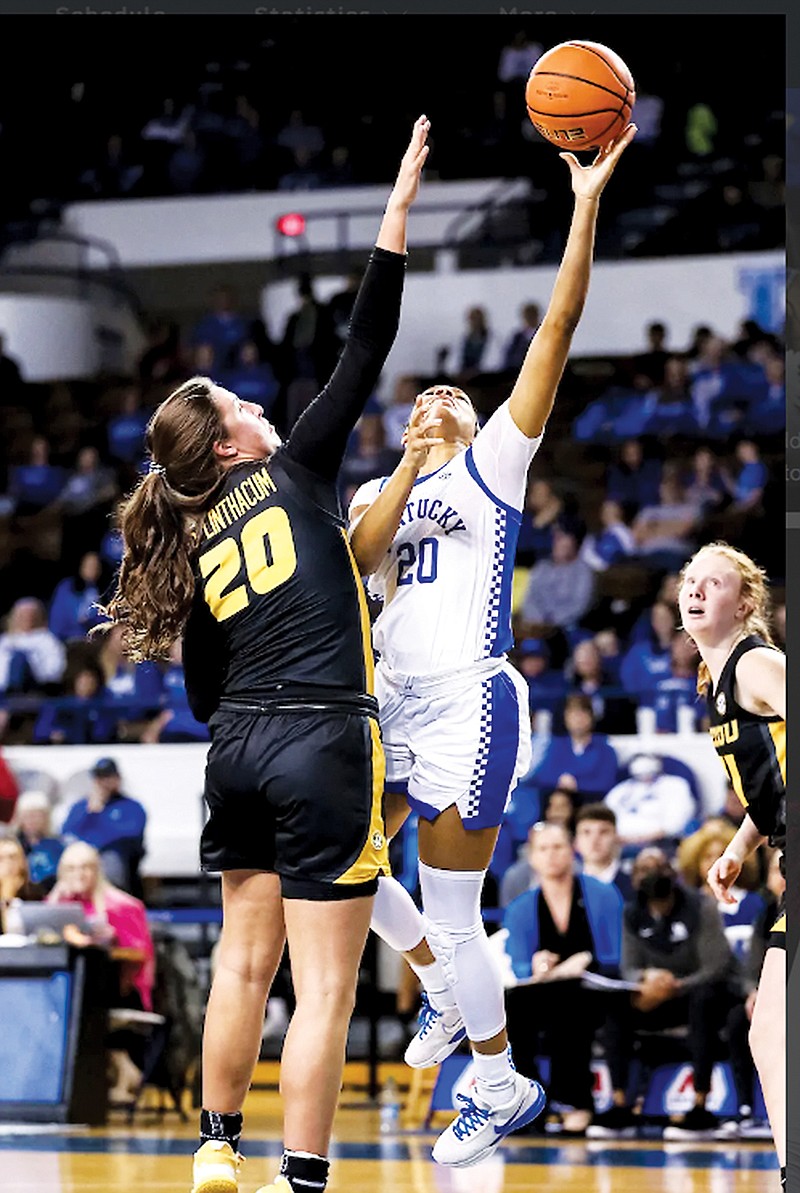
<point>216,1168</point>
<point>279,1185</point>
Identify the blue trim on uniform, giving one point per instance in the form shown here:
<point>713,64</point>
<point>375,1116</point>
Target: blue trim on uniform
<point>426,811</point>
<point>472,469</point>
<point>546,1154</point>
<point>498,746</point>
<point>504,639</point>
<point>428,475</point>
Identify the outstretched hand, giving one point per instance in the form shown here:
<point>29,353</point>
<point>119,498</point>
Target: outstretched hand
<point>417,441</point>
<point>588,181</point>
<point>407,184</point>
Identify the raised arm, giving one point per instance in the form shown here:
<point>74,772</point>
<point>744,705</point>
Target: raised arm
<point>319,437</point>
<point>374,524</point>
<point>535,389</point>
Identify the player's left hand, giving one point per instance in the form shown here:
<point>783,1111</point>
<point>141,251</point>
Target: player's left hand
<point>417,440</point>
<point>588,181</point>
<point>407,184</point>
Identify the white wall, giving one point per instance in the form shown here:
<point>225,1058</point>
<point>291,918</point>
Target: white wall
<point>199,229</point>
<point>168,780</point>
<point>624,297</point>
<point>65,339</point>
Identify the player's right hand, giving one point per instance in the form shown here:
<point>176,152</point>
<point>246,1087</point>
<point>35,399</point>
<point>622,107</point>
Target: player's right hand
<point>407,184</point>
<point>417,440</point>
<point>722,876</point>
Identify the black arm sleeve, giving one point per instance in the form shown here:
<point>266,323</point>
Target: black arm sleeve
<point>319,437</point>
<point>203,659</point>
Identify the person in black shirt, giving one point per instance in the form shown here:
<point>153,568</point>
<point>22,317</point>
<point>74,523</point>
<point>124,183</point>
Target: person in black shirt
<point>724,606</point>
<point>236,541</point>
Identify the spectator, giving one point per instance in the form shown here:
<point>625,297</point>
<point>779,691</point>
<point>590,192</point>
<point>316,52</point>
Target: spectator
<point>112,823</point>
<point>81,717</point>
<point>222,327</point>
<point>634,481</point>
<point>116,174</point>
<point>651,806</point>
<point>560,589</point>
<point>667,408</point>
<point>86,502</point>
<point>9,791</point>
<point>559,807</point>
<point>519,341</point>
<point>613,713</point>
<point>298,134</point>
<point>32,817</point>
<point>134,690</point>
<point>648,366</point>
<point>646,628</point>
<point>308,349</point>
<point>340,171</point>
<point>31,657</point>
<point>543,508</point>
<point>250,378</point>
<point>73,608</point>
<point>15,884</point>
<point>547,686</point>
<point>677,705</point>
<point>704,484</point>
<point>340,305</point>
<point>615,542</point>
<point>650,659</point>
<point>517,59</point>
<point>368,456</point>
<point>36,485</point>
<point>187,167</point>
<point>674,947</point>
<point>747,485</point>
<point>303,174</point>
<point>664,531</point>
<point>767,415</point>
<point>696,855</point>
<point>565,925</point>
<point>175,722</point>
<point>126,430</point>
<point>249,146</point>
<point>116,918</point>
<point>583,754</point>
<point>599,847</point>
<point>477,351</point>
<point>398,412</point>
<point>161,363</point>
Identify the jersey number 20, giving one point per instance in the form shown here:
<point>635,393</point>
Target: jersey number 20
<point>267,546</point>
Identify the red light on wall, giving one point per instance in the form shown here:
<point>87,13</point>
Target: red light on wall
<point>291,224</point>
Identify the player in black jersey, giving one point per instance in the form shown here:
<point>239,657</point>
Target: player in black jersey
<point>724,607</point>
<point>236,541</point>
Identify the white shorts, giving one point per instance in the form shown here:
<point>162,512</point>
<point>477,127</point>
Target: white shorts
<point>462,739</point>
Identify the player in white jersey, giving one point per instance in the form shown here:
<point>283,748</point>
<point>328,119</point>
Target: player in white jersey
<point>437,539</point>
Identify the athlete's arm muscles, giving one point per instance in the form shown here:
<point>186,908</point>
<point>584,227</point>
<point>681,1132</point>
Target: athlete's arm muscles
<point>761,681</point>
<point>319,438</point>
<point>203,659</point>
<point>534,391</point>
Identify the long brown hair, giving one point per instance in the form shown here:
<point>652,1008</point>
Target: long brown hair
<point>161,522</point>
<point>754,593</point>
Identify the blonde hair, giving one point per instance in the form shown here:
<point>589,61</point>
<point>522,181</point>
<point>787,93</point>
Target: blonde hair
<point>754,592</point>
<point>693,847</point>
<point>80,851</point>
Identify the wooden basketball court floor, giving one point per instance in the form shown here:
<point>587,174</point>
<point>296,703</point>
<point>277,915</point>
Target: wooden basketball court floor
<point>153,1155</point>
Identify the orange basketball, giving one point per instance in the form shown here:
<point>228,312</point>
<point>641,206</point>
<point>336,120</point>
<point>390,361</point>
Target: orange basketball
<point>580,95</point>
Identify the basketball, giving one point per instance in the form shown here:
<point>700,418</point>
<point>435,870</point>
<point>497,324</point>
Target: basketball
<point>580,95</point>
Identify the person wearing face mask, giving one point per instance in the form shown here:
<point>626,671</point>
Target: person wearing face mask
<point>674,947</point>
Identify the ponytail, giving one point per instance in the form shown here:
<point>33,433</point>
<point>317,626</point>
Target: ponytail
<point>161,523</point>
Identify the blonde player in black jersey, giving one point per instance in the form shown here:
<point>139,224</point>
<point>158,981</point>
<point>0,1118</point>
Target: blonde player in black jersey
<point>724,606</point>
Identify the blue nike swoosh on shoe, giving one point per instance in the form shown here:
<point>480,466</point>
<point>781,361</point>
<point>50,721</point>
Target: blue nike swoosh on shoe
<point>526,1116</point>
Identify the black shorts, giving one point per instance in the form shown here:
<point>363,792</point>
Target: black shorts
<point>777,934</point>
<point>298,793</point>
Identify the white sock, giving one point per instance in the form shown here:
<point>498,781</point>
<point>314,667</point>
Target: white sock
<point>434,983</point>
<point>494,1076</point>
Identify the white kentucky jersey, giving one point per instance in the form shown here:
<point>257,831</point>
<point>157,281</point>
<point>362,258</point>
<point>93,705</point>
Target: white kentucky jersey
<point>446,580</point>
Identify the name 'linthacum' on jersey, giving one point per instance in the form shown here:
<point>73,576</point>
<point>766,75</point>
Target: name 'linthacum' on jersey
<point>270,541</point>
<point>469,508</point>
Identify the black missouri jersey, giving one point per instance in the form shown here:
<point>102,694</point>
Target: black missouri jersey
<point>279,605</point>
<point>280,585</point>
<point>752,749</point>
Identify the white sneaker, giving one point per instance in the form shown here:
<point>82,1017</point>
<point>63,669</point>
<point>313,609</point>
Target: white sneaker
<point>479,1127</point>
<point>438,1035</point>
